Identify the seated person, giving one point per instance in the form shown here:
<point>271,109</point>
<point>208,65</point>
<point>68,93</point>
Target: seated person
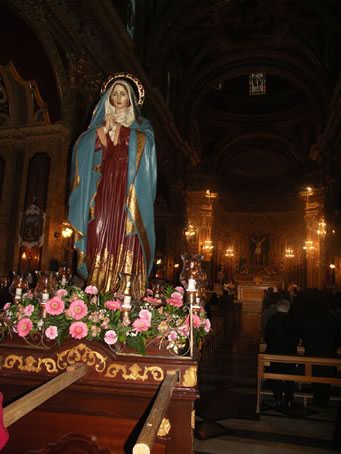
<point>281,338</point>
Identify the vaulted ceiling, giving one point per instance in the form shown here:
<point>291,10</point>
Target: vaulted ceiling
<point>256,149</point>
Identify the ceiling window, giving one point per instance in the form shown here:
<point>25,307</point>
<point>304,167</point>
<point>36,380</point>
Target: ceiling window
<point>257,84</point>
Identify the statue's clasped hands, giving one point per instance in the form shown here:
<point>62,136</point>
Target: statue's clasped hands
<point>110,121</point>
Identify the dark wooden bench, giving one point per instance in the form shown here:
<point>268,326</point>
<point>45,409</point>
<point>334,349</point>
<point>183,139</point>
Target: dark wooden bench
<point>308,362</point>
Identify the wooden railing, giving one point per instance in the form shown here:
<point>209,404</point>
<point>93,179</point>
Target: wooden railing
<point>33,399</point>
<point>307,361</point>
<point>148,434</point>
<point>22,406</point>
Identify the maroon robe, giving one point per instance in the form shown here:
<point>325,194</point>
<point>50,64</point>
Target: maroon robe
<point>107,241</point>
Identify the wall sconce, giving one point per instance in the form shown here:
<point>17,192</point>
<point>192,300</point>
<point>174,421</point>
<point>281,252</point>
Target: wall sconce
<point>67,231</point>
<point>322,227</point>
<point>190,232</point>
<point>208,246</point>
<point>210,195</point>
<point>289,252</point>
<point>309,246</point>
<point>306,194</point>
<point>229,252</point>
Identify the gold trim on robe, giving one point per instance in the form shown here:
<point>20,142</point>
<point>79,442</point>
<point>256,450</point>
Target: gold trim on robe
<point>136,215</point>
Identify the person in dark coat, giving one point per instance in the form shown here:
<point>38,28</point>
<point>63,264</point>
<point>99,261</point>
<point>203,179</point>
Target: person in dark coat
<point>281,338</point>
<point>320,338</point>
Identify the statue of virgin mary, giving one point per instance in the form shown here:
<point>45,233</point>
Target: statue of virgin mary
<point>113,188</point>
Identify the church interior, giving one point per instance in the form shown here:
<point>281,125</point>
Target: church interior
<point>244,97</point>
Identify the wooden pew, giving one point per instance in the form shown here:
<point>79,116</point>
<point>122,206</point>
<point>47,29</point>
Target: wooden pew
<point>307,361</point>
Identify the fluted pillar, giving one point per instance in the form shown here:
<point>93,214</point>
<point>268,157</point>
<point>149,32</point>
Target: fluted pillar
<point>315,242</point>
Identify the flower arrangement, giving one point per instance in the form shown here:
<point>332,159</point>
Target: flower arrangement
<point>87,314</point>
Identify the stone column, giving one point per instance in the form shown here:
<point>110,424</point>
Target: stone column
<point>315,248</point>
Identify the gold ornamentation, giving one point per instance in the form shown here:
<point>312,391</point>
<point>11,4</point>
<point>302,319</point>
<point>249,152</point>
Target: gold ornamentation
<point>81,354</point>
<point>136,217</point>
<point>129,226</point>
<point>30,364</point>
<point>132,78</point>
<point>136,372</point>
<point>128,266</point>
<point>164,428</point>
<point>193,419</point>
<point>190,377</point>
<point>141,142</point>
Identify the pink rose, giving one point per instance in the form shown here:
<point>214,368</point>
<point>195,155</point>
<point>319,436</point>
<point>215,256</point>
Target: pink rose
<point>28,310</point>
<point>149,292</point>
<point>119,296</point>
<point>113,305</point>
<point>78,309</point>
<point>172,336</point>
<point>144,314</point>
<point>196,321</point>
<point>51,332</point>
<point>91,290</point>
<point>110,337</point>
<point>78,330</point>
<point>183,330</point>
<point>7,306</point>
<point>207,325</point>
<point>177,295</point>
<point>61,292</point>
<point>175,299</point>
<point>24,327</point>
<point>55,306</point>
<point>180,290</point>
<point>140,325</point>
<point>151,300</point>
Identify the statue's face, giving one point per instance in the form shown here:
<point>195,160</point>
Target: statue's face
<point>119,97</point>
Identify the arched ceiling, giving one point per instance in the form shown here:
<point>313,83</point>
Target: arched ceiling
<point>202,52</point>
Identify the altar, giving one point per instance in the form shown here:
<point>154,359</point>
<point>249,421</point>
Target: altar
<point>253,292</point>
<point>251,289</point>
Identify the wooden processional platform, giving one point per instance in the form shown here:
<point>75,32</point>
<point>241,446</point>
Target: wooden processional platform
<point>105,410</point>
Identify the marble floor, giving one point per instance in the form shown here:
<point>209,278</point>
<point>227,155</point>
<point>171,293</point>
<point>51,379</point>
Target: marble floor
<point>225,413</point>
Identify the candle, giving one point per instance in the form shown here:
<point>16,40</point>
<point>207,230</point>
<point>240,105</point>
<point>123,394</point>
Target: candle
<point>18,291</point>
<point>45,297</point>
<point>126,302</point>
<point>191,285</point>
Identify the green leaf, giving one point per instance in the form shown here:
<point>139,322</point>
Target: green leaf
<point>137,343</point>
